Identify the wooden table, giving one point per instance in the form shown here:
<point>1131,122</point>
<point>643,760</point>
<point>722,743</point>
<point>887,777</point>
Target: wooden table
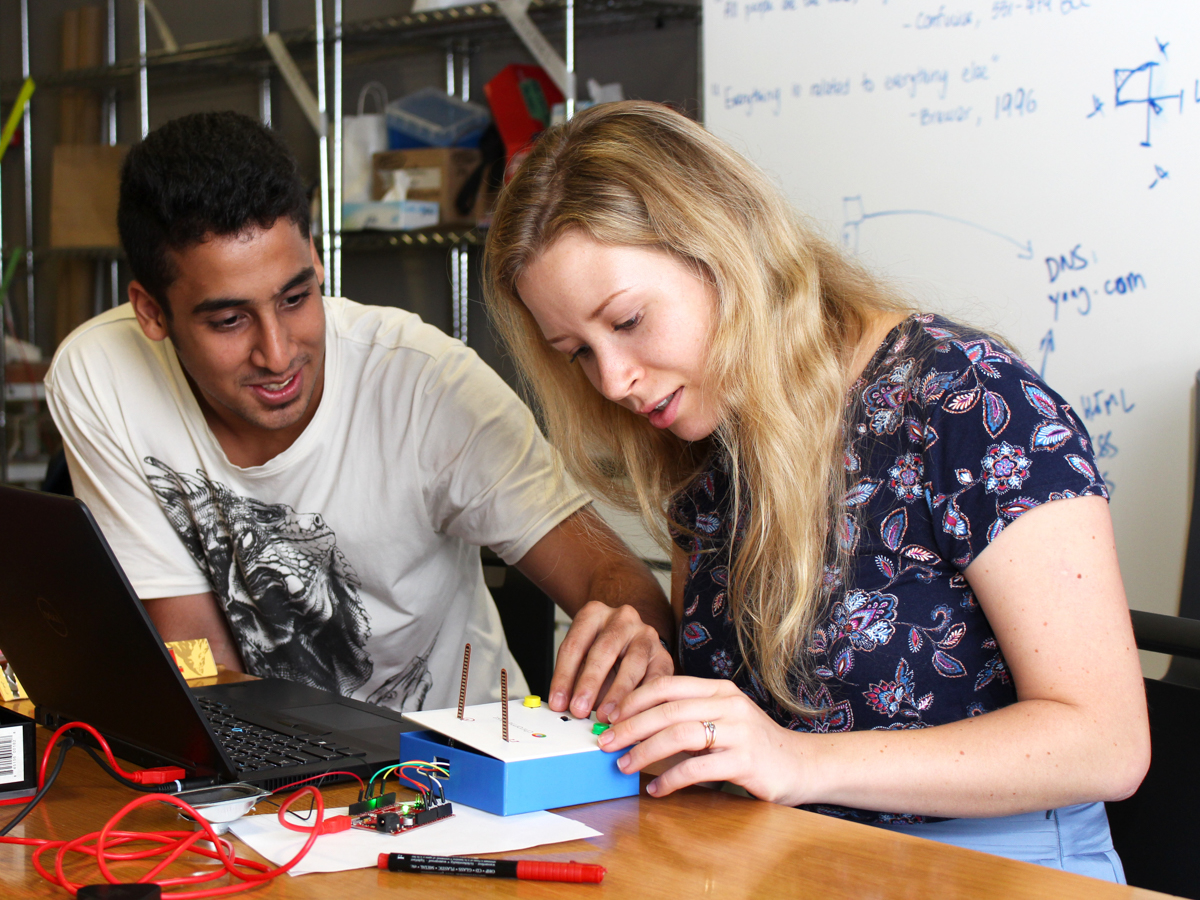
<point>694,843</point>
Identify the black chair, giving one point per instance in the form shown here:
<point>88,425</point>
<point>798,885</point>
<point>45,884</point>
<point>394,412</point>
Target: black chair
<point>58,476</point>
<point>1156,831</point>
<point>1185,669</point>
<point>527,615</point>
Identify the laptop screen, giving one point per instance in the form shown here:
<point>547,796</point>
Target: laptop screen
<point>81,641</point>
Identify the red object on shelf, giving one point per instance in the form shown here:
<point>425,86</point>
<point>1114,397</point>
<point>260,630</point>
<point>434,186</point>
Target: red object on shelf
<point>25,371</point>
<point>514,120</point>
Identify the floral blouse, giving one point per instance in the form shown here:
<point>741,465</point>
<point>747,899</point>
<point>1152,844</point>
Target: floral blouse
<point>951,437</point>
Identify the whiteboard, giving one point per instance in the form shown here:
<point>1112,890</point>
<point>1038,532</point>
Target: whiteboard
<point>1028,166</point>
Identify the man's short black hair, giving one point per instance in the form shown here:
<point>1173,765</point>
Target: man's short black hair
<point>213,173</point>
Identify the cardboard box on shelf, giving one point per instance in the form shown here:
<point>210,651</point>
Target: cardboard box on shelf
<point>436,175</point>
<point>84,187</point>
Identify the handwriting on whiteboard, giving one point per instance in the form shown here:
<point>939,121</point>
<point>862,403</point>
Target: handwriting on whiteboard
<point>941,17</point>
<point>1105,403</point>
<point>1079,297</point>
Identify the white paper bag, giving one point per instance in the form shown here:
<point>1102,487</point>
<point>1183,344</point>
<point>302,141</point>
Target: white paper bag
<point>362,136</point>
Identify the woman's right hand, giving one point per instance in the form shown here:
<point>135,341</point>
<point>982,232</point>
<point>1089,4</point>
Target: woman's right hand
<point>744,745</point>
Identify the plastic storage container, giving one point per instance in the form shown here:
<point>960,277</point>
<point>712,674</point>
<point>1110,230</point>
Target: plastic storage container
<point>433,118</point>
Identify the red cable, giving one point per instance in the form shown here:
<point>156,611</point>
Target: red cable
<point>320,826</point>
<point>50,749</point>
<point>400,774</point>
<point>102,845</point>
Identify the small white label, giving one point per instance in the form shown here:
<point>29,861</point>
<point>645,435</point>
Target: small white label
<point>424,178</point>
<point>12,755</point>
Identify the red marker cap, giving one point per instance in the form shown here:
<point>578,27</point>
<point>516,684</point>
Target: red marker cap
<point>529,870</point>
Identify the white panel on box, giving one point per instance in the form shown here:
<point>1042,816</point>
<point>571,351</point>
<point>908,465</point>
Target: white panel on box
<point>537,733</point>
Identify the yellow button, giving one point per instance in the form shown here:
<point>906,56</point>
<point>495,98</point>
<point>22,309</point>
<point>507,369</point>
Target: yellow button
<point>533,701</point>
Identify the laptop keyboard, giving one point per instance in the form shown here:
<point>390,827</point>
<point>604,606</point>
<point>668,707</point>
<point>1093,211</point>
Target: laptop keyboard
<point>253,747</point>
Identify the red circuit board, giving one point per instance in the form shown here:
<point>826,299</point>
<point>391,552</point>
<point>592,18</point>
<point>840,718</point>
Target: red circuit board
<point>400,818</point>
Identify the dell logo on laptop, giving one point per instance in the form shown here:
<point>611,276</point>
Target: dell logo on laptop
<point>52,617</point>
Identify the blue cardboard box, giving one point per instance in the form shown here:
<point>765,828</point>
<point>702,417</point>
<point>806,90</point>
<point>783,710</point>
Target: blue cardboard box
<point>508,788</point>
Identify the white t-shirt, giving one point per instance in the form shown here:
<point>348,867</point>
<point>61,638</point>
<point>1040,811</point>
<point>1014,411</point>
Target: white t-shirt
<point>350,561</point>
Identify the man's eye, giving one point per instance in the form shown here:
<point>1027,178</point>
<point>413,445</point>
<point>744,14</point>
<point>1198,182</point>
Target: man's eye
<point>227,322</point>
<point>296,299</point>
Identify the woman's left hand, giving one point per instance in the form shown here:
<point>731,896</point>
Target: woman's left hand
<point>730,737</point>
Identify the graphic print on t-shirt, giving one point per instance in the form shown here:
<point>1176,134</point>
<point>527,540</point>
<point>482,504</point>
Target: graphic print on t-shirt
<point>289,594</point>
<point>409,687</point>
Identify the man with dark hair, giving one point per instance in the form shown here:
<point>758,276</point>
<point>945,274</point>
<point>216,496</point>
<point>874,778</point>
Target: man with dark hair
<point>305,481</point>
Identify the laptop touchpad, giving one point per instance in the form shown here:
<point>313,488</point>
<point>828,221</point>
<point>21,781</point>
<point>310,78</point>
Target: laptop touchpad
<point>363,727</point>
<point>334,715</point>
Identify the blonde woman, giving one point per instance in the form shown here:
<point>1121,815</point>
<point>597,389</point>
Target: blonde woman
<point>894,570</point>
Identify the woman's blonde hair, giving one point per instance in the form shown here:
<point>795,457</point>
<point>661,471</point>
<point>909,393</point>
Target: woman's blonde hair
<point>791,310</point>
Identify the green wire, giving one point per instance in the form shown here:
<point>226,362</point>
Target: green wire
<point>387,770</point>
<point>9,271</point>
<point>384,769</point>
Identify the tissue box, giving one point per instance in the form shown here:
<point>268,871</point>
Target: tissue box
<point>389,215</point>
<point>508,788</point>
<point>436,175</point>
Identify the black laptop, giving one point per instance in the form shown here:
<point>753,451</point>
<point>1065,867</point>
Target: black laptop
<point>85,650</point>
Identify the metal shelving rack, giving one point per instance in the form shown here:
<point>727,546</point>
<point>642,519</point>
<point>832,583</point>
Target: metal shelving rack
<point>458,32</point>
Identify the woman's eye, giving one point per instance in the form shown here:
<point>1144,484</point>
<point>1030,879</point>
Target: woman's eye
<point>582,351</point>
<point>628,323</point>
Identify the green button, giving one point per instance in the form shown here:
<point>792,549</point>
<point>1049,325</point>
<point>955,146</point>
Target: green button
<point>599,728</point>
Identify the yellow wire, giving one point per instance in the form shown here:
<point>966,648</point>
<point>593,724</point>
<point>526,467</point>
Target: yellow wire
<point>14,117</point>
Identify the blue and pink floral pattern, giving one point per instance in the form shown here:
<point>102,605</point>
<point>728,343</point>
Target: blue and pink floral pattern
<point>951,437</point>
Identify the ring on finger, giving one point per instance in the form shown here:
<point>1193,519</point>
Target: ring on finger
<point>710,734</point>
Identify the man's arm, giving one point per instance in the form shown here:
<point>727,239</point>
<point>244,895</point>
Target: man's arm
<point>195,616</point>
<point>618,612</point>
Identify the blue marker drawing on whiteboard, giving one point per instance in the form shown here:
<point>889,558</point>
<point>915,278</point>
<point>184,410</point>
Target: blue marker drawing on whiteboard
<point>1104,403</point>
<point>1159,174</point>
<point>1125,284</point>
<point>1072,261</point>
<point>943,19</point>
<point>1080,298</point>
<point>1080,295</point>
<point>911,82</point>
<point>1105,448</point>
<point>1046,345</point>
<point>855,214</point>
<point>1136,86</point>
<point>761,7</point>
<point>749,100</point>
